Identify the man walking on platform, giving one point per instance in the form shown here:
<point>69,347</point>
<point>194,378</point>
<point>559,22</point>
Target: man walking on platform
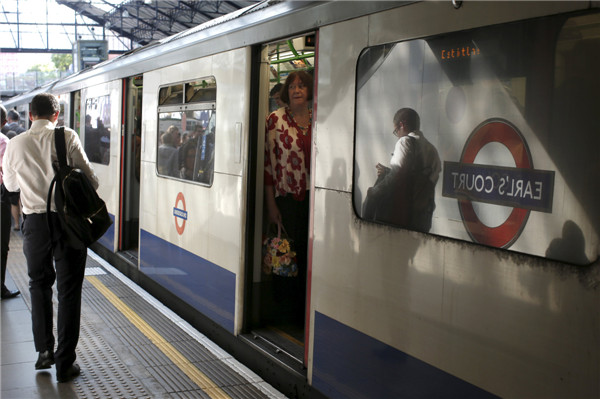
<point>27,165</point>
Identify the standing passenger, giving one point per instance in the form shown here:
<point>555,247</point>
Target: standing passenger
<point>5,217</point>
<point>12,123</point>
<point>275,100</point>
<point>287,173</point>
<point>27,166</point>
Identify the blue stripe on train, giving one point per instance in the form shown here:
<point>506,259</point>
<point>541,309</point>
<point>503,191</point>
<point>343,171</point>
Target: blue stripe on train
<point>350,364</point>
<point>108,239</point>
<point>208,288</point>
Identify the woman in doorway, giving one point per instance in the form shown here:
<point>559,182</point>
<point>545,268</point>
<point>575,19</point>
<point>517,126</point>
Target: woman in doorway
<point>287,172</point>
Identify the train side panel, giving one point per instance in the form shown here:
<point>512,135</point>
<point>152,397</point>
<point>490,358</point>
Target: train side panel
<point>191,234</point>
<point>397,312</point>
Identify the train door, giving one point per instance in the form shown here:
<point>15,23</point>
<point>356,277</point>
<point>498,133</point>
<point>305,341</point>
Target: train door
<point>274,320</point>
<point>129,190</point>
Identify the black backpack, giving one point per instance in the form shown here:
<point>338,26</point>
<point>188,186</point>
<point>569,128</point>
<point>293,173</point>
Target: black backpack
<point>82,213</point>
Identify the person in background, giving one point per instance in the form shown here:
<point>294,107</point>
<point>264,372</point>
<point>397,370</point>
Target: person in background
<point>275,98</point>
<point>5,216</point>
<point>28,166</point>
<point>287,179</point>
<point>12,123</point>
<point>166,150</point>
<point>187,159</point>
<point>11,129</point>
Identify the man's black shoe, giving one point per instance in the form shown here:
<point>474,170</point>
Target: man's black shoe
<point>45,360</point>
<point>6,294</point>
<point>71,373</point>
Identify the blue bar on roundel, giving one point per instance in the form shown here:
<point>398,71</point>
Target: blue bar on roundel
<point>520,188</point>
<point>180,213</point>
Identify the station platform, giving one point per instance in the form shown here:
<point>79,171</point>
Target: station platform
<point>130,345</point>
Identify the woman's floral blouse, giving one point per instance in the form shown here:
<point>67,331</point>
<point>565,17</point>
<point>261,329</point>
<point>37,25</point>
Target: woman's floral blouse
<point>287,155</point>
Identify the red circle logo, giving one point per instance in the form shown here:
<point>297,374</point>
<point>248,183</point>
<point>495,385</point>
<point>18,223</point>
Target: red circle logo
<point>503,132</point>
<point>180,213</point>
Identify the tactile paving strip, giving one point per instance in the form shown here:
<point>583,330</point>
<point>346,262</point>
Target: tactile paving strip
<point>103,373</point>
<point>119,361</point>
<point>171,377</point>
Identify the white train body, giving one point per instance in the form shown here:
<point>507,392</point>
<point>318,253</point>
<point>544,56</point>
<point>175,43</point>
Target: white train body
<point>465,309</point>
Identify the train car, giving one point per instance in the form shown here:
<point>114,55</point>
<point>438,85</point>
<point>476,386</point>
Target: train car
<point>496,293</point>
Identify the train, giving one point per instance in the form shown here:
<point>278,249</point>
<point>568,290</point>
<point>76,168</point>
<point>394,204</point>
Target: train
<point>498,297</point>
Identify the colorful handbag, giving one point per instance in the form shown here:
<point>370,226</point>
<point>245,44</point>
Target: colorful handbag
<point>279,256</point>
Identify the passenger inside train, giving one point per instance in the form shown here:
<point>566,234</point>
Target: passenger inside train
<point>287,184</point>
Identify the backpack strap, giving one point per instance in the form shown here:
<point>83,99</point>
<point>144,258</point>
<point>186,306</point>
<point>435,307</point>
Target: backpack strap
<point>61,154</point>
<point>61,146</point>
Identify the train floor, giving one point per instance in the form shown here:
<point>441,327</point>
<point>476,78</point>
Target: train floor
<point>130,346</point>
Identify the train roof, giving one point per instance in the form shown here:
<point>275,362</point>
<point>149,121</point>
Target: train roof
<point>262,22</point>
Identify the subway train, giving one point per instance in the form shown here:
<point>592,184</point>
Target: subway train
<point>497,296</point>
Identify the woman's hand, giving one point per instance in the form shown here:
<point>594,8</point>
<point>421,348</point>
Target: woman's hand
<point>274,214</point>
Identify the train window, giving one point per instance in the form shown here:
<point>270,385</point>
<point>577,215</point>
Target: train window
<point>171,95</point>
<point>187,144</point>
<point>186,141</point>
<point>76,116</point>
<point>204,90</point>
<point>466,135</point>
<point>97,129</point>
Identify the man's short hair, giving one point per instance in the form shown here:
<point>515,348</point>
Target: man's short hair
<point>13,115</point>
<point>409,118</point>
<point>2,114</point>
<point>44,105</point>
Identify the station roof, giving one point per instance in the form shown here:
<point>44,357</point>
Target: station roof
<point>145,21</point>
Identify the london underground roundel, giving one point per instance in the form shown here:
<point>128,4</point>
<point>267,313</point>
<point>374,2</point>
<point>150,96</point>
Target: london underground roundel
<point>521,187</point>
<point>508,232</point>
<point>180,213</point>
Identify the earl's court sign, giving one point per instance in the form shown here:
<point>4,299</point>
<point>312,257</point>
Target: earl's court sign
<point>522,187</point>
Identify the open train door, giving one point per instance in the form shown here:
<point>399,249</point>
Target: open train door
<point>269,324</point>
<point>129,185</point>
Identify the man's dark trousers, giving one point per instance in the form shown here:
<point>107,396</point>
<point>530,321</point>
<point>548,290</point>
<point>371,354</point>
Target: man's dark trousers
<point>5,232</point>
<point>39,249</point>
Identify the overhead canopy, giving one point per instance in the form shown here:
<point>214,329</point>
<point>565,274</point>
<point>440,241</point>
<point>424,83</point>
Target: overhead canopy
<point>149,20</point>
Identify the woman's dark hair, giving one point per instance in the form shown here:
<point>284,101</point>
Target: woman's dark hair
<point>305,78</point>
<point>44,105</point>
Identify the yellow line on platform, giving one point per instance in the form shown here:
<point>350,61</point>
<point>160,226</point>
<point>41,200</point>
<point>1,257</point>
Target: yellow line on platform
<point>197,376</point>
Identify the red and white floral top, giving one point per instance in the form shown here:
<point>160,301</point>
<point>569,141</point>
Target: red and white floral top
<point>287,155</point>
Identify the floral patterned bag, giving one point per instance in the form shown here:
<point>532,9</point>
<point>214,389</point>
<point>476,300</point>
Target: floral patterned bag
<point>279,256</point>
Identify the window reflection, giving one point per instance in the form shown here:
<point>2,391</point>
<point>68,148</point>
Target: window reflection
<point>97,129</point>
<point>187,145</point>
